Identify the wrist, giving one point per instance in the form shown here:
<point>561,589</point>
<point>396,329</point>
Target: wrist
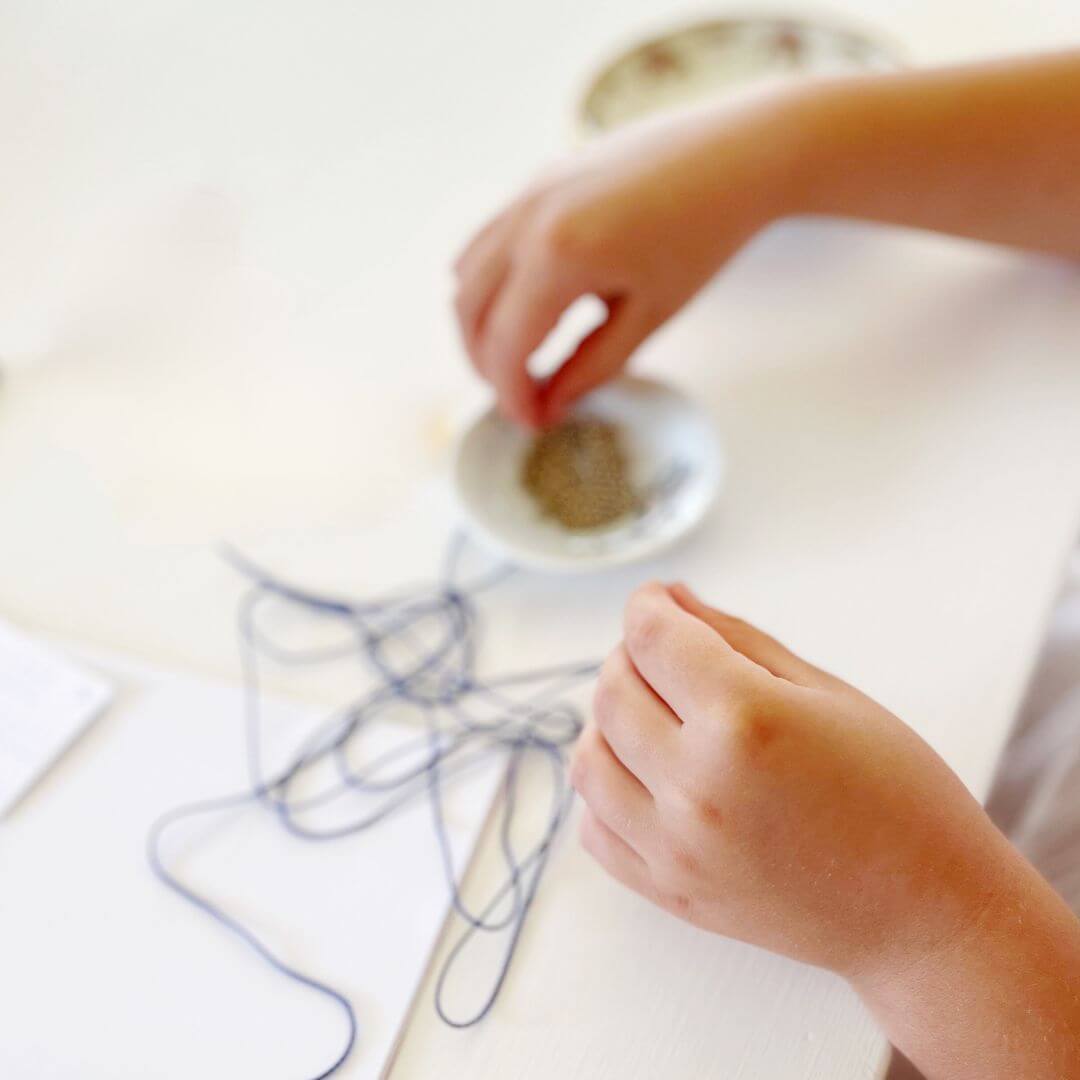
<point>788,140</point>
<point>797,118</point>
<point>818,122</point>
<point>753,166</point>
<point>992,987</point>
<point>793,161</point>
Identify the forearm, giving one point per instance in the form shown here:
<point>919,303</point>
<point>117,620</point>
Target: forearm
<point>988,151</point>
<point>999,997</point>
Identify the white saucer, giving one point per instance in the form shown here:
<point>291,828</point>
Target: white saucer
<point>676,464</point>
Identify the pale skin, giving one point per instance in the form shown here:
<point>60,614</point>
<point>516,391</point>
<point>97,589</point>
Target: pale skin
<point>725,779</point>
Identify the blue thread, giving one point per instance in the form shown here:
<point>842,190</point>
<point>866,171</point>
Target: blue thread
<point>436,679</point>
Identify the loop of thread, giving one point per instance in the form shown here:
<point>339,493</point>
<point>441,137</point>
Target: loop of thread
<point>435,677</point>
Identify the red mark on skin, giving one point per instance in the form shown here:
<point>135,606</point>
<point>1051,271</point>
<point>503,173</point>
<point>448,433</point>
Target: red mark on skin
<point>756,735</point>
<point>761,733</point>
<point>711,814</point>
<point>685,861</point>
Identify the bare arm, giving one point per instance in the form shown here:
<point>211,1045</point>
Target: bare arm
<point>989,151</point>
<point>1000,996</point>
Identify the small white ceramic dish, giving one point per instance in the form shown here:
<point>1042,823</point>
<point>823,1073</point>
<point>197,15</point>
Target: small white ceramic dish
<point>676,465</point>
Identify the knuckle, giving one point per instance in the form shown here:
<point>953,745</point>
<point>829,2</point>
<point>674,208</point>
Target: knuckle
<point>679,803</point>
<point>580,769</point>
<point>695,806</point>
<point>642,625</point>
<point>679,904</point>
<point>643,633</point>
<point>554,233</point>
<point>461,298</point>
<point>609,693</point>
<point>707,811</point>
<point>605,698</point>
<point>682,862</point>
<point>674,864</point>
<point>588,834</point>
<point>752,735</point>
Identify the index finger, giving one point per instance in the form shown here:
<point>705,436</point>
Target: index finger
<point>527,307</point>
<point>686,662</point>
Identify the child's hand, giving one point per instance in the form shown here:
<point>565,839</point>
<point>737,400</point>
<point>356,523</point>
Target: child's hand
<point>751,793</point>
<point>747,791</point>
<point>641,219</point>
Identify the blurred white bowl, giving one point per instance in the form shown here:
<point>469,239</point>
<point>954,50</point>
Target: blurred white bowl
<point>722,56</point>
<point>676,465</point>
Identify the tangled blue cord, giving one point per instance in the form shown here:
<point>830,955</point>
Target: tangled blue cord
<point>437,679</point>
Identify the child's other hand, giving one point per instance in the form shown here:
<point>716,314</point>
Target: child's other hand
<point>749,792</point>
<point>641,219</point>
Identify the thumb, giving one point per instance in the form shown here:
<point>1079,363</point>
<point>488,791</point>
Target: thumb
<point>753,643</point>
<point>599,357</point>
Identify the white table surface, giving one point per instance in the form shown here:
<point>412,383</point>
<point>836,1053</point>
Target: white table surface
<point>224,232</point>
